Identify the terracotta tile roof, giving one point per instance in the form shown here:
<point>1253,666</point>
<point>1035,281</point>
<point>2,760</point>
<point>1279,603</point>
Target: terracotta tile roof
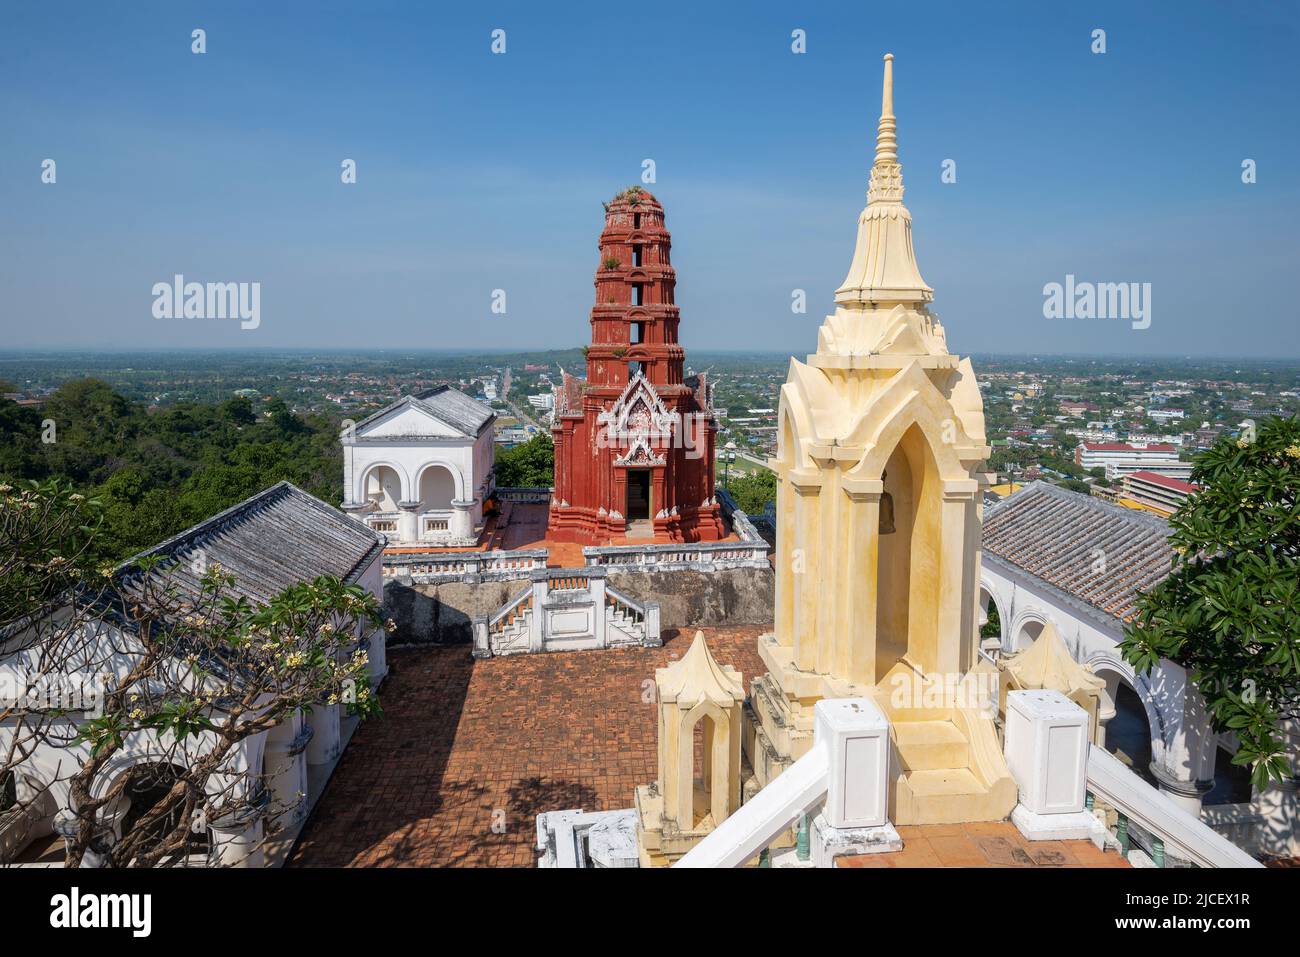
<point>996,844</point>
<point>1164,480</point>
<point>468,752</point>
<point>1058,536</point>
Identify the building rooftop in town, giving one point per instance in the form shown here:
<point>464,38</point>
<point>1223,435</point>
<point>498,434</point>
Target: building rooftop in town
<point>1101,554</point>
<point>1164,481</point>
<point>1128,447</point>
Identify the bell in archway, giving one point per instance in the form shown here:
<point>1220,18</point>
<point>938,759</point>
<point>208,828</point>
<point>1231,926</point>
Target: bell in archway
<point>886,510</point>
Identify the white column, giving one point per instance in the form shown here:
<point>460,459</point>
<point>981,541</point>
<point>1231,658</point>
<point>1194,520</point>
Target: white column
<point>1186,772</point>
<point>652,626</point>
<point>107,832</point>
<point>324,746</point>
<point>461,525</point>
<point>285,765</point>
<point>482,646</point>
<point>377,652</point>
<point>537,632</point>
<point>237,841</point>
<point>596,588</point>
<point>408,522</point>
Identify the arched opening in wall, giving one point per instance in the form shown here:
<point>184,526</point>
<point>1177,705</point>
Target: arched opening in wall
<point>1129,733</point>
<point>437,488</point>
<point>1130,737</point>
<point>702,769</point>
<point>1027,634</point>
<point>382,487</point>
<point>907,567</point>
<point>148,785</point>
<point>1231,781</point>
<point>990,618</point>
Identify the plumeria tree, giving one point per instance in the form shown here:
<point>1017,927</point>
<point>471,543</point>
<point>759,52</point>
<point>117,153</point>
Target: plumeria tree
<point>187,668</point>
<point>1230,610</point>
<point>47,536</point>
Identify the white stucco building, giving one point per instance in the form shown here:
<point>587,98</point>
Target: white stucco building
<point>419,470</point>
<point>274,539</point>
<point>1052,555</point>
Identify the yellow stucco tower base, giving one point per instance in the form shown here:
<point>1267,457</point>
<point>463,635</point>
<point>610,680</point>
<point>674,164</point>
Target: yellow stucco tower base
<point>689,798</point>
<point>881,438</point>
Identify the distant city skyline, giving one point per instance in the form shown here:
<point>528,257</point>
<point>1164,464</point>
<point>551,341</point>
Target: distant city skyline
<point>479,171</point>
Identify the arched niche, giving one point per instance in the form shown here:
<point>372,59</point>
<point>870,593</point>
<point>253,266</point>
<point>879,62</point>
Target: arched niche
<point>381,486</point>
<point>437,488</point>
<point>908,558</point>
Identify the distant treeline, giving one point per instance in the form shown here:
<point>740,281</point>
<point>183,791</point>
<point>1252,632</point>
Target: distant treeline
<point>159,473</point>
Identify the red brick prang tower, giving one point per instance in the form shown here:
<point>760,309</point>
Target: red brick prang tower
<point>634,444</point>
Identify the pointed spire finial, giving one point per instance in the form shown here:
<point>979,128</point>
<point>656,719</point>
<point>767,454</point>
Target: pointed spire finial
<point>886,141</point>
<point>884,264</point>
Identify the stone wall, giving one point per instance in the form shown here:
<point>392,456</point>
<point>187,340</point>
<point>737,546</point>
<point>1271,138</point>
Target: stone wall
<point>443,613</point>
<point>691,599</point>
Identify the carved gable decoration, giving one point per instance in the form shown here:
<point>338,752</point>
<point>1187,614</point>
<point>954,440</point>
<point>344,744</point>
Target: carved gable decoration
<point>638,415</point>
<point>640,453</point>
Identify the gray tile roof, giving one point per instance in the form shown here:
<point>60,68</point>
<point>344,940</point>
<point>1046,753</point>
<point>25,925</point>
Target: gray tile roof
<point>450,406</point>
<point>274,539</point>
<point>1058,536</point>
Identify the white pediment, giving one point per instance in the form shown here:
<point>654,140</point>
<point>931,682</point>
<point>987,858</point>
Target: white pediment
<point>407,420</point>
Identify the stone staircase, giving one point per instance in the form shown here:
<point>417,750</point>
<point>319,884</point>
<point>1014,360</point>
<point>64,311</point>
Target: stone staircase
<point>624,627</point>
<point>512,639</point>
<point>566,610</point>
<point>950,768</point>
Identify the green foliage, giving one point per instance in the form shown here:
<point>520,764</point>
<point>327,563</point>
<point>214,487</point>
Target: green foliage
<point>160,472</point>
<point>529,465</point>
<point>993,627</point>
<point>753,491</point>
<point>1228,612</point>
<point>46,545</point>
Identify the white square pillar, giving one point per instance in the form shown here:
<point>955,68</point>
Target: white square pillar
<point>855,818</point>
<point>1046,748</point>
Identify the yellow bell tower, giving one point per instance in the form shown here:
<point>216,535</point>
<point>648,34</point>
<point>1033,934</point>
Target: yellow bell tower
<point>880,442</point>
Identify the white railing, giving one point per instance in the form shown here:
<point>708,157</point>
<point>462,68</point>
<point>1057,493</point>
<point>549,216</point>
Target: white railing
<point>1184,834</point>
<point>385,522</point>
<point>619,602</point>
<point>510,611</point>
<point>434,567</point>
<point>761,819</point>
<point>435,524</point>
<point>749,552</point>
<point>704,556</point>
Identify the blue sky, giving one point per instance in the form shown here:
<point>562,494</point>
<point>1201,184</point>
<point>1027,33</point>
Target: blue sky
<point>478,172</point>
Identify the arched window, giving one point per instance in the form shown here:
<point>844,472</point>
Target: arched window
<point>147,785</point>
<point>437,488</point>
<point>382,487</point>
